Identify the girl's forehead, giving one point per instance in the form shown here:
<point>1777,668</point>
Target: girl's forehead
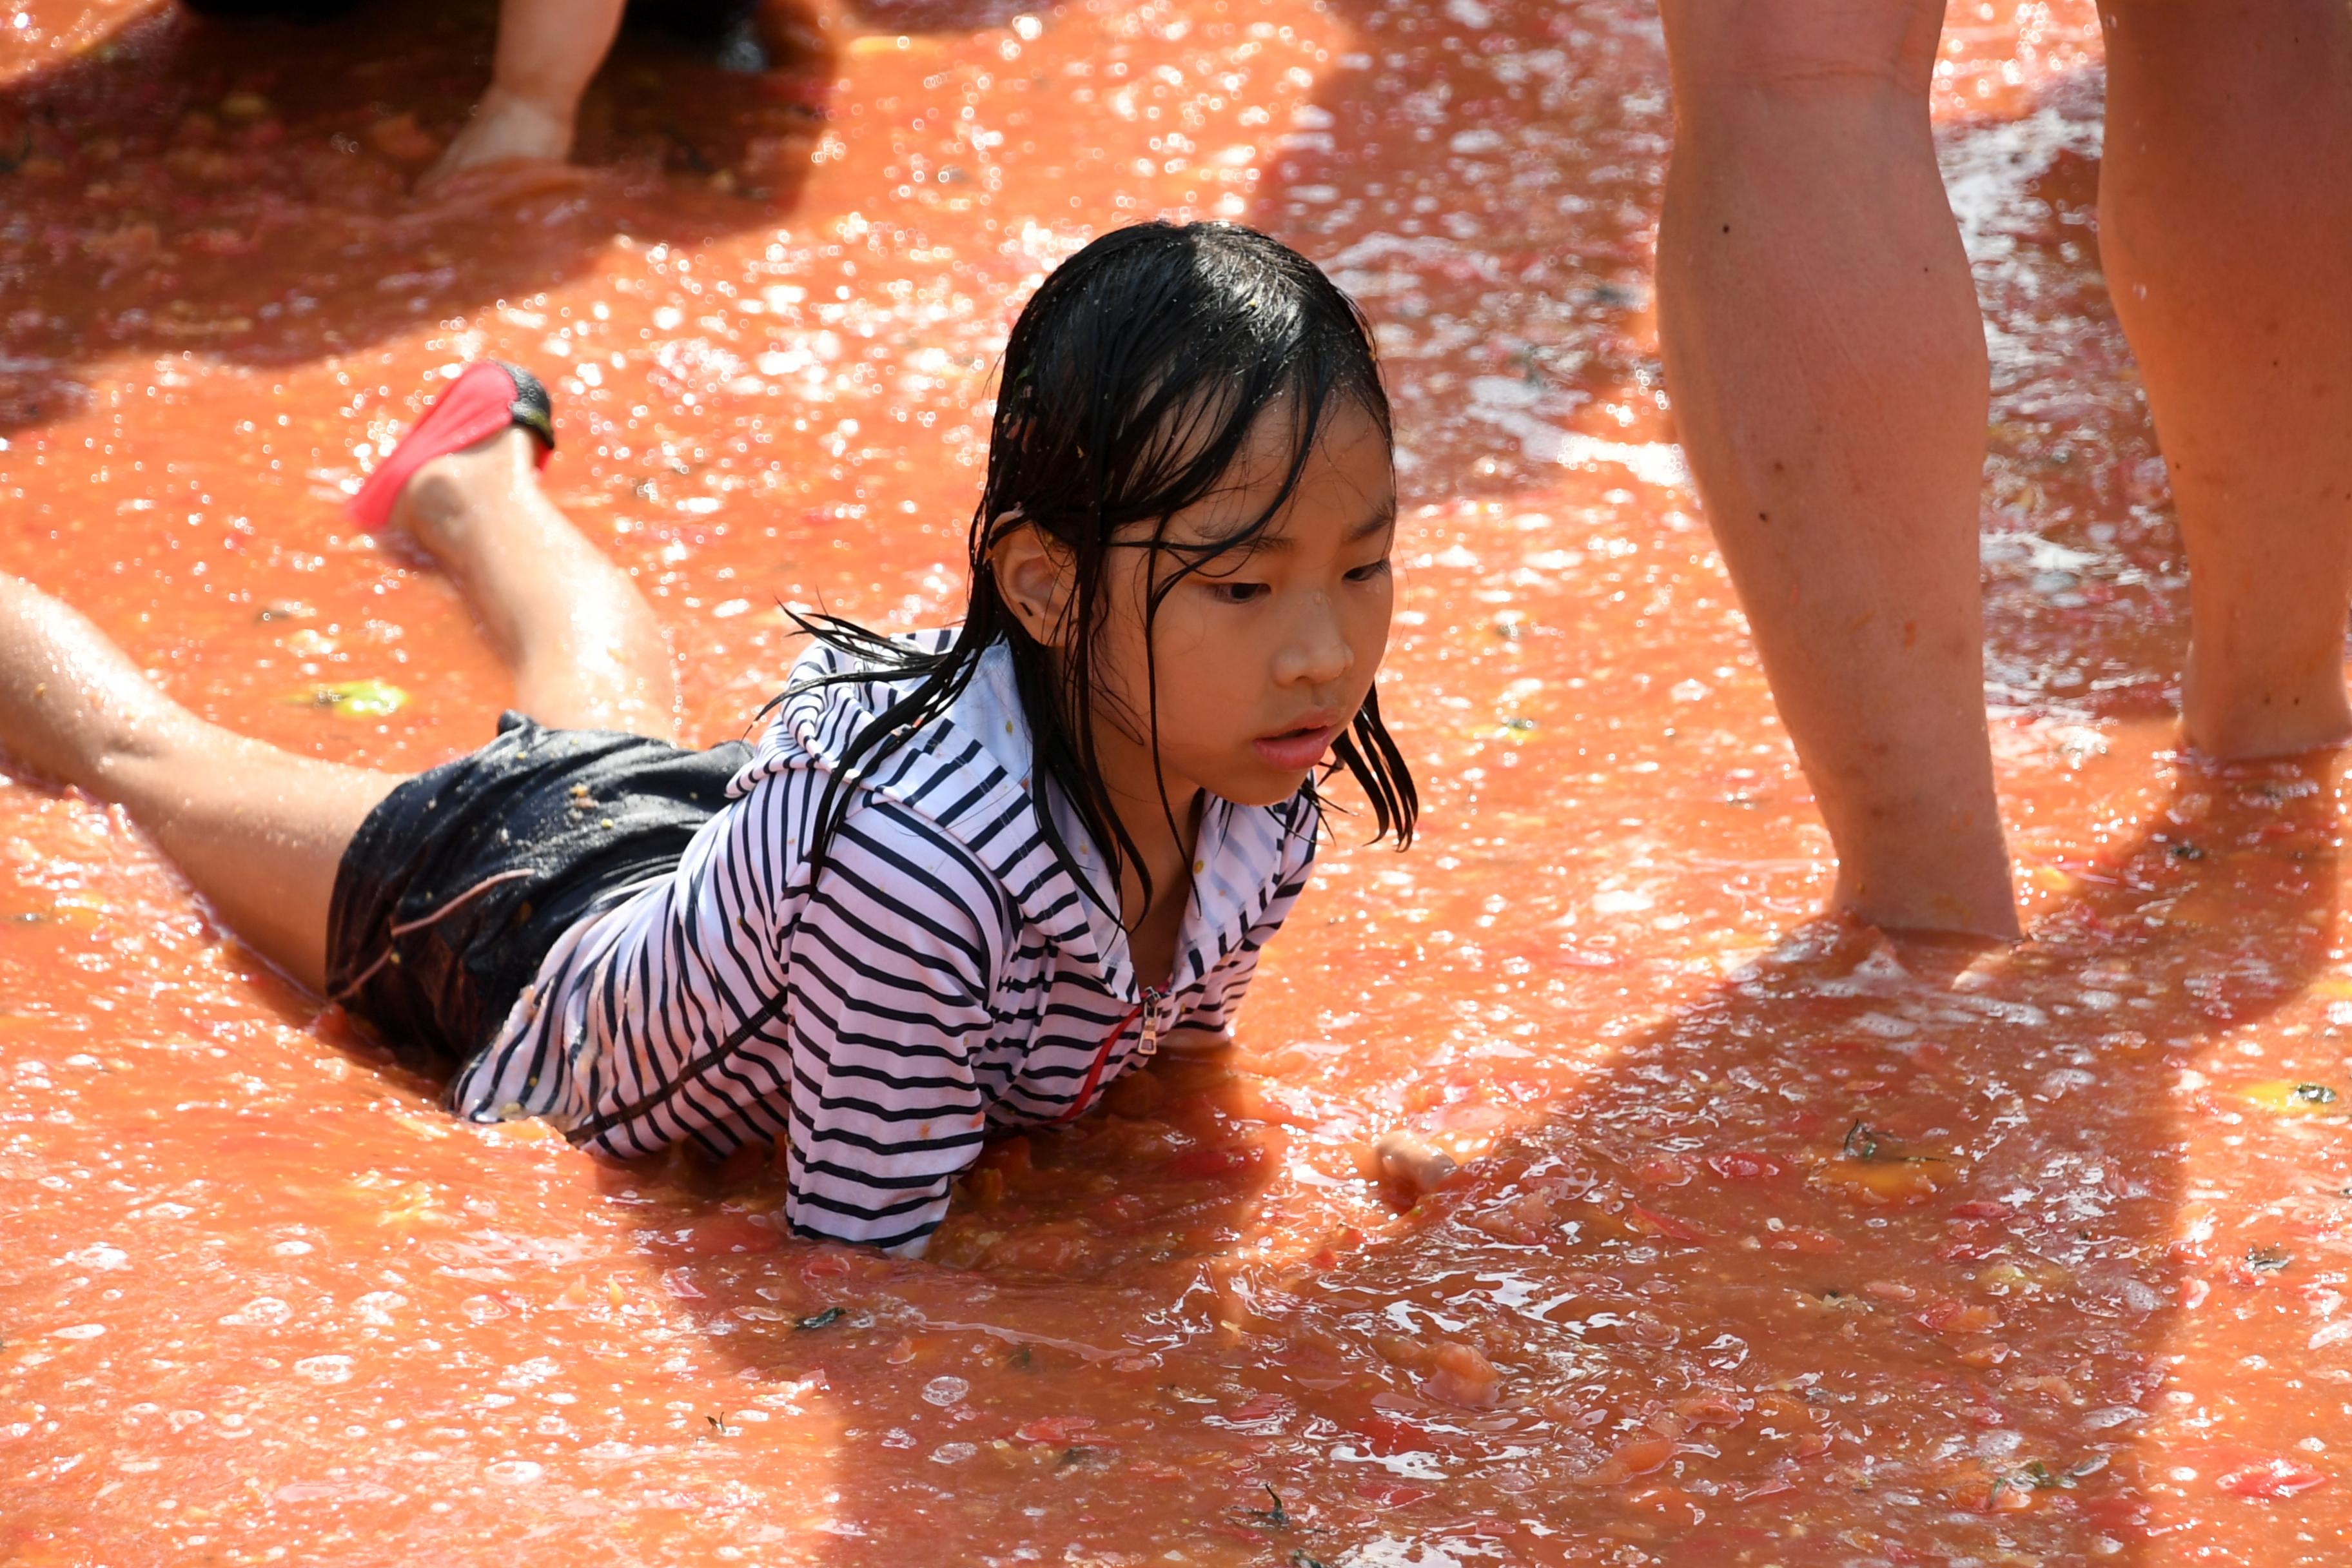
<point>1348,473</point>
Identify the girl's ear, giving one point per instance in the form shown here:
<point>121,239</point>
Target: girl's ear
<point>1035,576</point>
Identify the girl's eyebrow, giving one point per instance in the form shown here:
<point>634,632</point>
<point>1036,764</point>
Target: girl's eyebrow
<point>1273,544</point>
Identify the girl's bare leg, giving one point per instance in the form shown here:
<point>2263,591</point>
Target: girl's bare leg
<point>2225,208</point>
<point>261,832</point>
<point>1827,363</point>
<point>586,651</point>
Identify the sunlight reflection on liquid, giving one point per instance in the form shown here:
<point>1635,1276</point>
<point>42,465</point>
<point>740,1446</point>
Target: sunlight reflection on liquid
<point>1677,1311</point>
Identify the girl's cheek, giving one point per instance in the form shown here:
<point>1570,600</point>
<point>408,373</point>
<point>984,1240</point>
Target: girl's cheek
<point>1373,642</point>
<point>1188,628</point>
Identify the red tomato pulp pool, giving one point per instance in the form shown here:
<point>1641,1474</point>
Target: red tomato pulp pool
<point>1775,1245</point>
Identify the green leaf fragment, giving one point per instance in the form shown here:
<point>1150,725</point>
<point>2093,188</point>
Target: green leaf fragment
<point>1872,1147</point>
<point>369,699</point>
<point>2034,1477</point>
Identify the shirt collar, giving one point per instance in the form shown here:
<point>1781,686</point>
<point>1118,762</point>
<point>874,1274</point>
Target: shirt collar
<point>971,773</point>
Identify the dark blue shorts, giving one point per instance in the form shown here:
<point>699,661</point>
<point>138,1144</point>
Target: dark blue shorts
<point>462,880</point>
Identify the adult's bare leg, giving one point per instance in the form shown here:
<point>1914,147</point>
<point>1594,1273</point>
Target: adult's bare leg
<point>259,831</point>
<point>2225,228</point>
<point>586,651</point>
<point>1827,362</point>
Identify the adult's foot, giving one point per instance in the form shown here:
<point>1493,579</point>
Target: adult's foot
<point>505,129</point>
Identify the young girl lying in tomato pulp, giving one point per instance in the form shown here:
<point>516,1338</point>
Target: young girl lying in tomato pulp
<point>965,878</point>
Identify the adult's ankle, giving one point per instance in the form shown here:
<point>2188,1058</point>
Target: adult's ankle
<point>1929,911</point>
<point>1959,887</point>
<point>2237,719</point>
<point>507,127</point>
<point>523,105</point>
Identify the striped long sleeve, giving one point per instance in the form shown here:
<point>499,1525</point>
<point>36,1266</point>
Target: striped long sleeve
<point>891,1009</point>
<point>939,974</point>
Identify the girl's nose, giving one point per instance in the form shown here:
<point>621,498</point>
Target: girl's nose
<point>1319,652</point>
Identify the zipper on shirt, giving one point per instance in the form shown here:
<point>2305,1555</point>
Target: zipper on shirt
<point>1152,997</point>
<point>1148,1011</point>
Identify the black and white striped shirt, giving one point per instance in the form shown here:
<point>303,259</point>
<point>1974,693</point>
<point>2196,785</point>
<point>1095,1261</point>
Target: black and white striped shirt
<point>945,975</point>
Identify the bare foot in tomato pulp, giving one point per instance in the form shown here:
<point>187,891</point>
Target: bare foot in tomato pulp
<point>505,129</point>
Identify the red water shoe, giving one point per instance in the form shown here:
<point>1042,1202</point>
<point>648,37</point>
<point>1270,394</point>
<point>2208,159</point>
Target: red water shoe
<point>489,395</point>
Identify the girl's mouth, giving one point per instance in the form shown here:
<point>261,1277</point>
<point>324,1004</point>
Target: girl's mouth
<point>1296,750</point>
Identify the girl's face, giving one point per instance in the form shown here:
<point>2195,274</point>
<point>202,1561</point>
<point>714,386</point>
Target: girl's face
<point>1266,653</point>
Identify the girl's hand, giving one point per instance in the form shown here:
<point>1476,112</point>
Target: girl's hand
<point>1409,1159</point>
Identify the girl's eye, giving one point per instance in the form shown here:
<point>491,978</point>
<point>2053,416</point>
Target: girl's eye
<point>1238,592</point>
<point>1368,574</point>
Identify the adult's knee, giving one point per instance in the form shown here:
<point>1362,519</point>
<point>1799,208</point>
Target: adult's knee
<point>1802,50</point>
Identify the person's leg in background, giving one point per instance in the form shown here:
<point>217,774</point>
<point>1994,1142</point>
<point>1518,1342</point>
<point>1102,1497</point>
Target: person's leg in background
<point>2225,230</point>
<point>1827,364</point>
<point>273,10</point>
<point>548,51</point>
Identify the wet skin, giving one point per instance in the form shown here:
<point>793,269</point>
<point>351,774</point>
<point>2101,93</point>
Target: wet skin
<point>1674,1307</point>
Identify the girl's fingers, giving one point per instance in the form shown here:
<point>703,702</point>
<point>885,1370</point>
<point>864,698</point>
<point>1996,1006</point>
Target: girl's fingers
<point>1409,1158</point>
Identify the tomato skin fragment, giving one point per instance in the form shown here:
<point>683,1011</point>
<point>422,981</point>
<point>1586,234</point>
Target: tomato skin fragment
<point>1816,1243</point>
<point>1053,1429</point>
<point>1462,1375</point>
<point>1384,1436</point>
<point>2270,1481</point>
<point>1709,1410</point>
<point>1664,1224</point>
<point>1947,1315</point>
<point>1639,1456</point>
<point>1260,1406</point>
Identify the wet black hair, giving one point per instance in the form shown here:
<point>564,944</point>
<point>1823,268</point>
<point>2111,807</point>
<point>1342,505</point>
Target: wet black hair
<point>1131,385</point>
